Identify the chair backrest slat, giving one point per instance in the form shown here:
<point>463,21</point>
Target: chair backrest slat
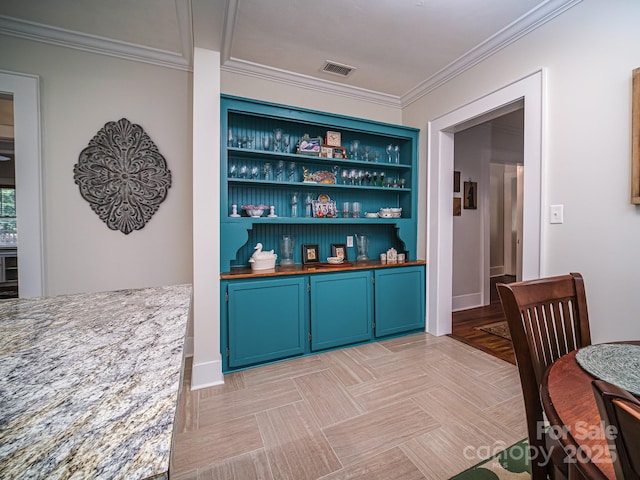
<point>547,318</point>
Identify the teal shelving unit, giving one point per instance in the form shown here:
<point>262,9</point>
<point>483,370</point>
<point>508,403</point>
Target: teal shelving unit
<point>270,318</point>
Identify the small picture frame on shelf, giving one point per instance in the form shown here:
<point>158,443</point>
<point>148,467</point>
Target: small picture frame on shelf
<point>339,250</point>
<point>310,253</point>
<point>309,146</point>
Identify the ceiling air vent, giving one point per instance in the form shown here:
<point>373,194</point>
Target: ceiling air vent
<point>337,68</point>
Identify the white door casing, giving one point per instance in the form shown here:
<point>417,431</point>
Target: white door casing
<point>25,90</point>
<point>440,191</point>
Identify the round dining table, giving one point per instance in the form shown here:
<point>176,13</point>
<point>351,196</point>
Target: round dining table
<point>570,406</point>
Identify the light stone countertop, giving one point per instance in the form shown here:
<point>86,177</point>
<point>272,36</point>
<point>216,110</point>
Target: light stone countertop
<point>89,383</point>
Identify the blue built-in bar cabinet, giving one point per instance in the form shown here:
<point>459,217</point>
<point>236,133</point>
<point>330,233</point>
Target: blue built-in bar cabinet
<point>289,311</point>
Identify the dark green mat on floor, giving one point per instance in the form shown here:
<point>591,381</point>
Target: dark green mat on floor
<point>510,464</point>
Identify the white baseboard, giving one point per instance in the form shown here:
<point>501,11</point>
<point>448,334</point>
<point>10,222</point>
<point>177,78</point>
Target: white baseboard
<point>463,302</point>
<point>206,374</point>
<point>496,271</point>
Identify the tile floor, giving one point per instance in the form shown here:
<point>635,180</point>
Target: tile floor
<point>415,407</point>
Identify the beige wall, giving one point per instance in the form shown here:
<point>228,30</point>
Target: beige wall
<point>79,93</point>
<point>587,55</point>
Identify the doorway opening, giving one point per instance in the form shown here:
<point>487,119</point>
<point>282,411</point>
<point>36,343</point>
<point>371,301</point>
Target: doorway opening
<point>25,93</point>
<point>8,227</point>
<point>526,93</point>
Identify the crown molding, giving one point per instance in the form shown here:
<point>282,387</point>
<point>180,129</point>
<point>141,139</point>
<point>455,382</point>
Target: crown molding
<point>255,70</point>
<point>92,43</point>
<point>508,35</point>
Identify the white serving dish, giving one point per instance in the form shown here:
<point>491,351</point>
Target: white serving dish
<point>255,211</point>
<point>263,264</point>
<point>335,260</point>
<point>371,215</point>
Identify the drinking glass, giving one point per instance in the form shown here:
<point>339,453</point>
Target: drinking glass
<point>242,173</point>
<point>396,151</point>
<point>355,147</point>
<point>287,243</point>
<point>233,171</point>
<point>254,173</point>
<point>286,141</point>
<point>266,169</point>
<point>308,204</point>
<point>389,149</point>
<point>230,138</point>
<point>292,172</point>
<point>279,171</point>
<point>294,204</point>
<point>266,142</point>
<point>345,210</point>
<point>355,208</point>
<point>277,139</point>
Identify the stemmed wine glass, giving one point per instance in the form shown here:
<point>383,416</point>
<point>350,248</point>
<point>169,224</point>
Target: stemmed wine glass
<point>230,138</point>
<point>345,177</point>
<point>308,203</point>
<point>396,150</point>
<point>286,139</point>
<point>389,149</point>
<point>367,150</point>
<point>279,170</point>
<point>355,147</point>
<point>277,139</point>
<point>266,169</point>
<point>292,172</point>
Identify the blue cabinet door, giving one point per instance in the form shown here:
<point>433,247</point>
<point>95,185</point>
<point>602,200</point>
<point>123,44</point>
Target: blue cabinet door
<point>267,320</point>
<point>341,309</point>
<point>399,300</point>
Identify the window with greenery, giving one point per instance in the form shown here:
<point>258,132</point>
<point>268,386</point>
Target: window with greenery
<point>7,210</point>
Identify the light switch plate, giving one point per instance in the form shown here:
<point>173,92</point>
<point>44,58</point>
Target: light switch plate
<point>556,214</point>
<point>350,241</point>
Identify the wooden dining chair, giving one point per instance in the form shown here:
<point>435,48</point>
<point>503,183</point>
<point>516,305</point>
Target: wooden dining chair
<point>621,410</point>
<point>547,318</point>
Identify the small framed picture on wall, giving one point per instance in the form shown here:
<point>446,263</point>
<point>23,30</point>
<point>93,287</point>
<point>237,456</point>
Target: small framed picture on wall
<point>471,195</point>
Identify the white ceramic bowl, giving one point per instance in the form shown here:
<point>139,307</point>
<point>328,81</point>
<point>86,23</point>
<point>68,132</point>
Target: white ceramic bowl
<point>385,211</point>
<point>254,210</point>
<point>371,215</point>
<point>335,260</point>
<point>396,210</point>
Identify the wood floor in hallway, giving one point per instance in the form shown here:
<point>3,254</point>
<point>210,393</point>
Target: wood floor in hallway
<point>465,323</point>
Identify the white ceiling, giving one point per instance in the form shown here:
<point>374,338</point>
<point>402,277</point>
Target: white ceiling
<point>400,48</point>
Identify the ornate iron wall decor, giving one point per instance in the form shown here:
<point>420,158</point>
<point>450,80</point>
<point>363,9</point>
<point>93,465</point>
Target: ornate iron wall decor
<point>123,176</point>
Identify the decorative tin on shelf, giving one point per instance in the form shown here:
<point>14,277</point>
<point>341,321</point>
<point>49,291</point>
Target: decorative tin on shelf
<point>324,207</point>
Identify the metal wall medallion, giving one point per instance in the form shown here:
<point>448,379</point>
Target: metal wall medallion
<point>123,176</point>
